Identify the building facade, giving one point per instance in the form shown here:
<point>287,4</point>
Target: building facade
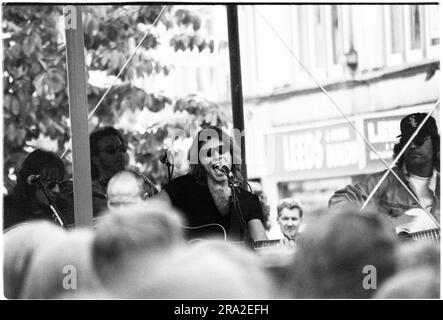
<point>322,82</point>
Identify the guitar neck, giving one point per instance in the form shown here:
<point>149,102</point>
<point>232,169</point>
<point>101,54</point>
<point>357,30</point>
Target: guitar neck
<point>430,234</point>
<point>95,221</point>
<point>261,244</point>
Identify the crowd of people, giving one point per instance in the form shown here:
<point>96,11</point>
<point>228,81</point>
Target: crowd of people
<point>204,234</point>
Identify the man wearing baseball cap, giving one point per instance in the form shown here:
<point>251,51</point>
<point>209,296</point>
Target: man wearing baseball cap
<point>418,168</point>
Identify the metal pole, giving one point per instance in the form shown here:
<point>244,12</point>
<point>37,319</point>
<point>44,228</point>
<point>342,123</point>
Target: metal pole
<point>236,84</point>
<point>78,111</point>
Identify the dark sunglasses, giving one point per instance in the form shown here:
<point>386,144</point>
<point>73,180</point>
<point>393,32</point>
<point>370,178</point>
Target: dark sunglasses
<point>419,141</point>
<point>115,149</point>
<point>50,185</point>
<point>221,149</point>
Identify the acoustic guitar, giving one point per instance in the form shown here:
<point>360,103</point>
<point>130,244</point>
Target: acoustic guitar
<point>215,230</point>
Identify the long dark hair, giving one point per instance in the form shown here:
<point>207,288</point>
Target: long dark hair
<point>435,139</point>
<point>196,168</point>
<point>33,165</point>
<point>95,137</point>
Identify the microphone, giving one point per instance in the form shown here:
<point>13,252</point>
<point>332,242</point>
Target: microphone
<point>223,168</point>
<point>165,157</point>
<point>33,179</point>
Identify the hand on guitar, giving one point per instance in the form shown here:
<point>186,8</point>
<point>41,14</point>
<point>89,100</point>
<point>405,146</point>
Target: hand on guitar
<point>417,225</point>
<point>286,242</point>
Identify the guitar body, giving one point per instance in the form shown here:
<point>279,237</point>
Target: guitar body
<point>415,224</point>
<point>204,232</point>
<point>217,231</point>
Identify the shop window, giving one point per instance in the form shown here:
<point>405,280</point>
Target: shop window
<point>337,35</point>
<point>414,32</point>
<point>299,23</point>
<point>394,22</point>
<point>396,29</point>
<point>320,37</point>
<point>432,30</point>
<point>415,27</point>
<point>274,61</point>
<point>335,41</point>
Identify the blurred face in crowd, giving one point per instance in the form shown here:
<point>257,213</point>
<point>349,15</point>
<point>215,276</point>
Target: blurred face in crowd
<point>215,152</point>
<point>123,192</point>
<point>50,178</point>
<point>111,157</point>
<point>289,221</point>
<point>419,152</point>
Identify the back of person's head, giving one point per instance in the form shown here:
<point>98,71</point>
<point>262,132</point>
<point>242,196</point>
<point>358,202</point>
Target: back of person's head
<point>335,252</point>
<point>420,283</point>
<point>21,244</point>
<point>34,164</point>
<point>61,268</point>
<point>206,270</point>
<point>416,254</point>
<point>120,238</point>
<point>125,188</point>
<point>278,261</point>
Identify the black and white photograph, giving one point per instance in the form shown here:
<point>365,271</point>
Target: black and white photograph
<point>238,153</point>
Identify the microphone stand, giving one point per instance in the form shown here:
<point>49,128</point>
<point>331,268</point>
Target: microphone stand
<point>234,185</point>
<point>165,160</point>
<point>52,206</point>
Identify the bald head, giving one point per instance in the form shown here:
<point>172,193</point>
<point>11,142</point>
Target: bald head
<point>124,188</point>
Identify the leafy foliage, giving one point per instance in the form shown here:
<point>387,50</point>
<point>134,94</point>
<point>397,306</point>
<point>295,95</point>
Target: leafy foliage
<point>35,85</point>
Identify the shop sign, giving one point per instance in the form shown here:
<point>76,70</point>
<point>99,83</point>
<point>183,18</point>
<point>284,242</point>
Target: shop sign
<point>381,134</point>
<point>324,148</point>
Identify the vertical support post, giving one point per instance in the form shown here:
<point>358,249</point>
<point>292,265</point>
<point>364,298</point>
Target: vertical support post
<point>78,111</point>
<point>236,83</point>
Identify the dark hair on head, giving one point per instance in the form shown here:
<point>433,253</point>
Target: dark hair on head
<point>334,251</point>
<point>289,203</point>
<point>435,139</point>
<point>120,238</point>
<point>33,165</point>
<point>196,169</point>
<point>95,137</point>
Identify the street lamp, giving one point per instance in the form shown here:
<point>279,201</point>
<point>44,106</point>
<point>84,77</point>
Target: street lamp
<point>352,59</point>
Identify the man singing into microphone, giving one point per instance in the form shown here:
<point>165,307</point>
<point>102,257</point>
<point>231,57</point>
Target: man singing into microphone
<point>37,187</point>
<point>204,195</point>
